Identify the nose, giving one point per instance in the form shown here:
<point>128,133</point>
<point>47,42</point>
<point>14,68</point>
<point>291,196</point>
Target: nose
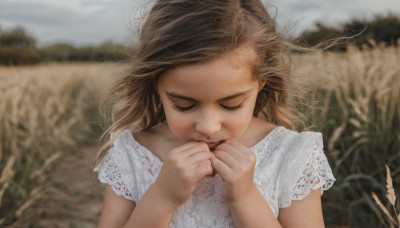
<point>208,123</point>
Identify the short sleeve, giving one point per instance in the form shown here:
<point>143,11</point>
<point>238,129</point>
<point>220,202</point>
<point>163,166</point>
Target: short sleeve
<point>307,169</point>
<point>109,173</point>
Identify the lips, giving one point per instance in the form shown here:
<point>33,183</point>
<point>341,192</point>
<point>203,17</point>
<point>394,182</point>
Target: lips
<point>213,145</point>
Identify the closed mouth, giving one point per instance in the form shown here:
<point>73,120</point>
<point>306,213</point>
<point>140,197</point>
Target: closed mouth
<point>212,146</point>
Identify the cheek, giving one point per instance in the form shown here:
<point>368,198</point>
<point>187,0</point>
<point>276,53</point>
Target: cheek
<point>238,124</point>
<point>179,125</point>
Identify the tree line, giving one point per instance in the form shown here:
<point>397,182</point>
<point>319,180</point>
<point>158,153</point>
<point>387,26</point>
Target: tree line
<point>18,47</point>
<point>381,30</point>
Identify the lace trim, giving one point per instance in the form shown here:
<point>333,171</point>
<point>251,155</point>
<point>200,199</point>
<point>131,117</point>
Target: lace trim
<point>109,173</point>
<point>317,174</point>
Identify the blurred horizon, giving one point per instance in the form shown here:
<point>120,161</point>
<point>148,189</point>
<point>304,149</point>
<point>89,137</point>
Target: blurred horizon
<point>90,22</point>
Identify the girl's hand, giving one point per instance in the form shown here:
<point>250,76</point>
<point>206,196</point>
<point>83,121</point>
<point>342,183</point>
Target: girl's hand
<point>235,163</point>
<point>182,169</point>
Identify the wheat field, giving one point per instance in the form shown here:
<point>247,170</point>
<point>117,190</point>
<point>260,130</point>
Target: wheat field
<point>50,111</point>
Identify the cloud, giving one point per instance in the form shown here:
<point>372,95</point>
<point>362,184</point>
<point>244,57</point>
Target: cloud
<point>95,21</point>
<point>339,11</point>
<point>71,21</point>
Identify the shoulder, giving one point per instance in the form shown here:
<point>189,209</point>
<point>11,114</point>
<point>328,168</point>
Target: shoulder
<point>301,143</point>
<point>288,143</point>
<point>127,150</point>
<point>119,165</point>
<point>294,138</point>
<point>304,166</point>
<point>295,162</point>
<point>304,175</point>
<point>123,138</point>
<point>122,143</point>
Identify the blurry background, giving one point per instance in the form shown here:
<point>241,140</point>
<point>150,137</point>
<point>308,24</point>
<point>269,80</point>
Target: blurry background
<point>58,57</point>
<point>82,22</point>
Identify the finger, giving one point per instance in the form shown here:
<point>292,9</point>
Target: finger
<point>204,162</point>
<point>233,151</point>
<point>221,168</point>
<point>189,149</point>
<point>248,155</point>
<point>203,170</point>
<point>239,146</point>
<point>199,157</point>
<point>187,146</point>
<point>227,158</point>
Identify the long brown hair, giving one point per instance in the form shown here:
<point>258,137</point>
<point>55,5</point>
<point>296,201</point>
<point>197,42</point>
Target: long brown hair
<point>181,32</point>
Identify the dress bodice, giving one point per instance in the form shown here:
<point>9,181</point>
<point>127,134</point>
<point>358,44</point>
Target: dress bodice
<point>288,166</point>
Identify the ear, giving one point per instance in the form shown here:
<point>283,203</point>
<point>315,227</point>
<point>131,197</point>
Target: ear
<point>261,83</point>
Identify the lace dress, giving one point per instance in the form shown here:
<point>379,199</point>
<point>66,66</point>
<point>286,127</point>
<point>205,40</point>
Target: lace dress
<point>288,166</point>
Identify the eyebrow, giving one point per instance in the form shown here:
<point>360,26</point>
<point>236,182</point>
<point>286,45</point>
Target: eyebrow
<point>179,96</point>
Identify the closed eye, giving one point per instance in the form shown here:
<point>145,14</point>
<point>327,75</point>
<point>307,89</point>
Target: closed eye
<point>232,108</point>
<point>228,108</point>
<point>183,108</point>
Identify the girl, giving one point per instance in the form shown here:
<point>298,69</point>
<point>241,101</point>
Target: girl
<point>201,134</point>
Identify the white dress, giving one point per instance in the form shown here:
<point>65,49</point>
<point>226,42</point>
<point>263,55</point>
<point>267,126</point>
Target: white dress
<point>288,166</point>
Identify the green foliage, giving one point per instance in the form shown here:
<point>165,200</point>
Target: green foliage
<point>322,32</point>
<point>383,29</point>
<point>16,37</point>
<point>63,52</point>
<point>360,121</point>
<point>57,52</point>
<point>17,47</point>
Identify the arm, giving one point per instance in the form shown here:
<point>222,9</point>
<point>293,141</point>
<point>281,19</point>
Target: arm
<point>253,211</point>
<point>116,209</point>
<point>303,213</point>
<point>235,163</point>
<point>182,169</point>
<point>120,212</point>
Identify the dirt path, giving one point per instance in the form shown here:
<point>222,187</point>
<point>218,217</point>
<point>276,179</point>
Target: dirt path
<point>76,199</point>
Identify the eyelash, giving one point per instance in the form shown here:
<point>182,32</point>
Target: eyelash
<point>182,109</point>
<point>227,108</point>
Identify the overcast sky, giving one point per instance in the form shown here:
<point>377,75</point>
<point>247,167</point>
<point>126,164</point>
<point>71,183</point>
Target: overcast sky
<point>84,22</point>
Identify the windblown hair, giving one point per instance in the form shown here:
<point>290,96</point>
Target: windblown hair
<point>182,32</point>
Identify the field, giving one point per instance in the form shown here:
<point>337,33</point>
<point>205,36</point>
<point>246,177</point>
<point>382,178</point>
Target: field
<point>49,125</point>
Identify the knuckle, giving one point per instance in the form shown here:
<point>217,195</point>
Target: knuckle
<point>207,169</point>
<point>252,157</point>
<point>205,163</point>
<point>204,146</point>
<point>242,169</point>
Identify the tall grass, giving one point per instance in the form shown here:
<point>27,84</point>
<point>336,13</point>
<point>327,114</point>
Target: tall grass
<point>393,216</point>
<point>359,94</point>
<point>44,116</point>
<point>48,111</point>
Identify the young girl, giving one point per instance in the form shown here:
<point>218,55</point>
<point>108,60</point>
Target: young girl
<point>201,133</point>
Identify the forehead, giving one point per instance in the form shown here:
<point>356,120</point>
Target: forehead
<point>222,76</point>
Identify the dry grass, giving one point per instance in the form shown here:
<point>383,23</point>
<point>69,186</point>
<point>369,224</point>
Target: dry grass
<point>359,115</point>
<point>391,196</point>
<point>44,115</point>
<point>49,110</point>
